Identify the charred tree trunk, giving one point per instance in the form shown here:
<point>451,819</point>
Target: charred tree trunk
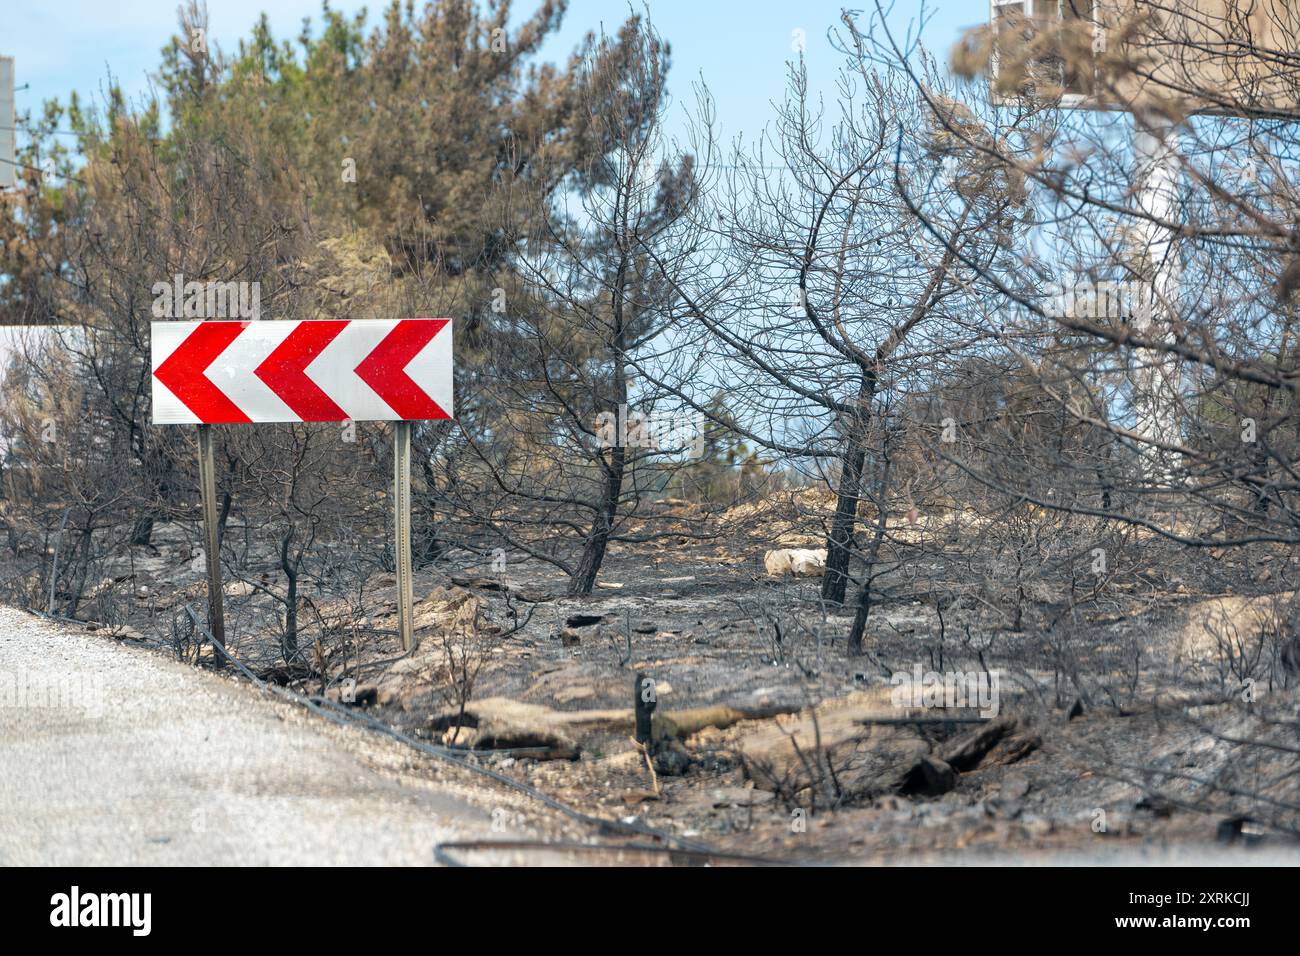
<point>602,525</point>
<point>1259,459</point>
<point>865,595</point>
<point>226,501</point>
<point>860,615</point>
<point>228,497</point>
<point>644,704</point>
<point>82,556</point>
<point>839,543</point>
<point>593,551</point>
<point>289,639</point>
<point>429,545</point>
<point>142,530</point>
<point>159,468</point>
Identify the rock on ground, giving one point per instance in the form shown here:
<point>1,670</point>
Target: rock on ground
<point>799,562</point>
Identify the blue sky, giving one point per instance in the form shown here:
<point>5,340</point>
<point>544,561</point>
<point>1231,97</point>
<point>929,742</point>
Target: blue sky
<point>740,48</point>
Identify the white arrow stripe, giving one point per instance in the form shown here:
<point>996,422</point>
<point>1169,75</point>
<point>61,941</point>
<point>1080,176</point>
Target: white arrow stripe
<point>233,370</point>
<point>431,369</point>
<point>334,370</point>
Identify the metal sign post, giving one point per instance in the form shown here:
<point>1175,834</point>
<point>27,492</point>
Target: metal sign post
<point>212,543</point>
<point>402,530</point>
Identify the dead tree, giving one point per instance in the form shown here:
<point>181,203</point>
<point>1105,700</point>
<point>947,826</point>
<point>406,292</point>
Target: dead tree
<point>832,304</point>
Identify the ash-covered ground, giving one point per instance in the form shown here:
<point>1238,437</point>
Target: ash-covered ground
<point>1117,729</point>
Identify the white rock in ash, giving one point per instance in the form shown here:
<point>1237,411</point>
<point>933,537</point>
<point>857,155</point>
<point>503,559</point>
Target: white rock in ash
<point>800,562</point>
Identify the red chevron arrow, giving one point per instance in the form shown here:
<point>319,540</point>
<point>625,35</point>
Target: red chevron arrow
<point>284,373</point>
<point>183,370</point>
<point>384,369</point>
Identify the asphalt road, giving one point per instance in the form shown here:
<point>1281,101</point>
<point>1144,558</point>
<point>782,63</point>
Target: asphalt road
<point>111,755</point>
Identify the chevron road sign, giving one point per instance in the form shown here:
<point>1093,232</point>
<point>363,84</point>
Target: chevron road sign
<point>234,372</point>
<point>222,372</point>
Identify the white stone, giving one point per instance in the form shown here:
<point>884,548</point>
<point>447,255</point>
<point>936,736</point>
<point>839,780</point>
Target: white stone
<point>800,562</point>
